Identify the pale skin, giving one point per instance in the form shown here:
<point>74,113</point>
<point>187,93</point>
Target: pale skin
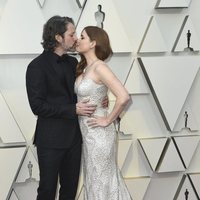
<point>66,43</point>
<point>100,73</point>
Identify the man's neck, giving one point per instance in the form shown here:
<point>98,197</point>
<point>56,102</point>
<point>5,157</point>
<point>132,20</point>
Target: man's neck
<point>59,51</point>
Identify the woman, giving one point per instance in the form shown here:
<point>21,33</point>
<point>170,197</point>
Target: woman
<point>102,178</point>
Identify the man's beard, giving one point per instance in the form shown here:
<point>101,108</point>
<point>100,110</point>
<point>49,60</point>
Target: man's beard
<point>72,48</point>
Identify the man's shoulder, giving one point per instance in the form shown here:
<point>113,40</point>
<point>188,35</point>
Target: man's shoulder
<point>39,59</point>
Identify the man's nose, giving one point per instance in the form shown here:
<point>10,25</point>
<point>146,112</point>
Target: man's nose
<point>75,38</point>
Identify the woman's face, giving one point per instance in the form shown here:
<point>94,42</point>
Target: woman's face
<point>83,43</point>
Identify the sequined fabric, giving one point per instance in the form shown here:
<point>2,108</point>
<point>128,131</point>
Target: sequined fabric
<point>102,178</point>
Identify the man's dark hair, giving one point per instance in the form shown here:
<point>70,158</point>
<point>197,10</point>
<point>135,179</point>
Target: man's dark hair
<point>55,25</point>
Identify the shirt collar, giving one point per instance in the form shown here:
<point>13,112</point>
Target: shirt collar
<point>56,58</point>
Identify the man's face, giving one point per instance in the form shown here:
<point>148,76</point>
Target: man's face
<point>69,39</point>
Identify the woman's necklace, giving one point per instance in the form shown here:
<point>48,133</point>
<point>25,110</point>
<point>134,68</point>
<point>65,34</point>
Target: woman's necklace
<point>88,66</point>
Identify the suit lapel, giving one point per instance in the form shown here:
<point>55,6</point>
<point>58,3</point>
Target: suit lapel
<point>69,75</point>
<point>51,64</point>
<point>69,79</point>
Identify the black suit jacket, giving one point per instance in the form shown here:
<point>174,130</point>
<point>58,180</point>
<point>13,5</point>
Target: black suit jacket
<point>53,101</point>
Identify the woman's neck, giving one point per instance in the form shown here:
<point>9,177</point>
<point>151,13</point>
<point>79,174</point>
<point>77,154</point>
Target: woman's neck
<point>90,59</point>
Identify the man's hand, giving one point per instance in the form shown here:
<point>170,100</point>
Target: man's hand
<point>85,108</point>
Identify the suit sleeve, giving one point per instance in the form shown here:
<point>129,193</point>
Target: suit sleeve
<point>37,96</point>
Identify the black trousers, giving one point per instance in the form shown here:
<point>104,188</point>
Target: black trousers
<point>62,163</point>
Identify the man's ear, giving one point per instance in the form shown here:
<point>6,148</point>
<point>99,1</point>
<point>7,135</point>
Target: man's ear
<point>58,38</point>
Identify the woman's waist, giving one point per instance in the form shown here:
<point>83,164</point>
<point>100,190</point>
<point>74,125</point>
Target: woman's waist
<point>100,111</point>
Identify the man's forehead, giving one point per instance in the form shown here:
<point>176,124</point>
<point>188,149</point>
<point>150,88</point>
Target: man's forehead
<point>70,28</point>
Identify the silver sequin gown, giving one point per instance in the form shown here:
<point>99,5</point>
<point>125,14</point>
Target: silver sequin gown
<point>102,178</point>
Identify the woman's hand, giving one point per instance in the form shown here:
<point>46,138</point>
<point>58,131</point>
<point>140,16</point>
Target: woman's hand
<point>97,121</point>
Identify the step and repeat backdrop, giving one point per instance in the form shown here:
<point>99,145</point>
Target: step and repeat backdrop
<point>156,48</point>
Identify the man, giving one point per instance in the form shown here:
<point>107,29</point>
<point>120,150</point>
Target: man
<point>50,87</point>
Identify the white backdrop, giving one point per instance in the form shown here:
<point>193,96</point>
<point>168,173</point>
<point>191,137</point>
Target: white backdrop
<point>158,150</point>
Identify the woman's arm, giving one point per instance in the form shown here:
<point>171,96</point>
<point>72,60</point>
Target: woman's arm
<point>107,77</point>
